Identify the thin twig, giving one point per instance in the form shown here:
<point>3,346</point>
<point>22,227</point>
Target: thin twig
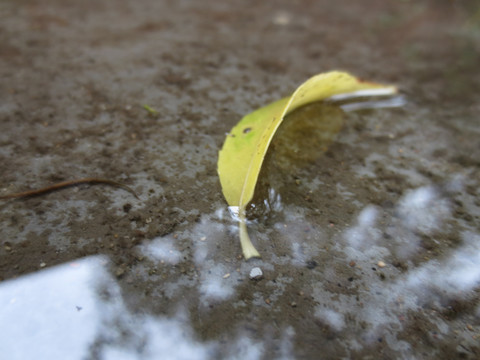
<point>65,184</point>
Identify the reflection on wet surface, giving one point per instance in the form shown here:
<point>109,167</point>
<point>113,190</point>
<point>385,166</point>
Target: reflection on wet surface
<point>370,236</point>
<point>76,310</point>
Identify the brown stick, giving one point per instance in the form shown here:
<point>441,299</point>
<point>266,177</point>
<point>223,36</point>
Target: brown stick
<point>65,184</point>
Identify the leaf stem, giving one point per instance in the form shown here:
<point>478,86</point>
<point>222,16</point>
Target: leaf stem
<point>248,249</point>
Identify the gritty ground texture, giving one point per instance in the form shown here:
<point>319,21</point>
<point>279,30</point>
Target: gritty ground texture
<point>371,250</point>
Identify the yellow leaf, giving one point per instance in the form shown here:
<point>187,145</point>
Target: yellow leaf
<point>241,157</point>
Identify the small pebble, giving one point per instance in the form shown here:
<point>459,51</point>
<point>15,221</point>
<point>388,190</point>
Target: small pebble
<point>267,301</point>
<point>256,273</point>
<point>226,276</point>
<point>281,19</point>
<point>119,272</point>
<point>352,263</point>
<point>42,264</point>
<point>381,264</point>
<point>293,304</point>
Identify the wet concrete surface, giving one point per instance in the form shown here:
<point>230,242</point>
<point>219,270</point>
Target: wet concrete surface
<point>369,250</point>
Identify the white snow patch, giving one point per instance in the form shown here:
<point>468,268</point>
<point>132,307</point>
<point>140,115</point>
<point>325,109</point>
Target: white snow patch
<point>455,276</point>
<point>162,249</point>
<point>423,210</point>
<point>331,317</point>
<point>169,339</point>
<point>213,285</point>
<point>364,235</point>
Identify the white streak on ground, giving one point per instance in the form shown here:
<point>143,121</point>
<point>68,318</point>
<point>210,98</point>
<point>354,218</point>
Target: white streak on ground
<point>163,250</point>
<point>332,318</point>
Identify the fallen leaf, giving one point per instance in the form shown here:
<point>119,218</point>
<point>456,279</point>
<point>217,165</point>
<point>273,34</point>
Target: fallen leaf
<point>245,146</point>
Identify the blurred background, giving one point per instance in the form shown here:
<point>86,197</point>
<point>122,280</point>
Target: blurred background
<point>369,250</point>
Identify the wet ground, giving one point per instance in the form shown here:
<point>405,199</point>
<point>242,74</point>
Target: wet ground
<point>370,249</point>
